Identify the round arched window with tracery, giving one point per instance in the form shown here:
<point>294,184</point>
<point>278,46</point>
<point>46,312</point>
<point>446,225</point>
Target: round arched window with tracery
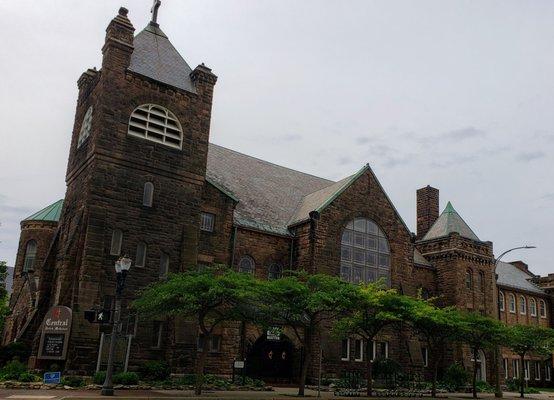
<point>365,252</point>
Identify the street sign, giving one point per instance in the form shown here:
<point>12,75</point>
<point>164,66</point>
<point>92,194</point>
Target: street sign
<point>274,334</point>
<point>52,377</point>
<point>98,316</point>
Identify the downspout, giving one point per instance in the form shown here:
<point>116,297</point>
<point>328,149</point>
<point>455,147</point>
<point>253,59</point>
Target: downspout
<point>233,247</point>
<point>314,217</point>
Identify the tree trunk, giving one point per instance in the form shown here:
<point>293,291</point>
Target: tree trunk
<point>522,376</point>
<point>474,380</point>
<point>306,363</point>
<point>369,366</point>
<point>200,362</point>
<point>435,373</point>
<point>497,358</point>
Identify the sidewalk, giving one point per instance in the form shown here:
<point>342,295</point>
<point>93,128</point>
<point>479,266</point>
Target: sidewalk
<point>279,393</point>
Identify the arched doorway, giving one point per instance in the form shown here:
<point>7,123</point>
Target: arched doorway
<point>271,360</point>
<point>481,366</point>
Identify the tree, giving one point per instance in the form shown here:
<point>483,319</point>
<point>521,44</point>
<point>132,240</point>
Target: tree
<point>375,308</point>
<point>525,339</point>
<point>304,302</point>
<point>211,296</point>
<point>479,333</point>
<point>438,326</point>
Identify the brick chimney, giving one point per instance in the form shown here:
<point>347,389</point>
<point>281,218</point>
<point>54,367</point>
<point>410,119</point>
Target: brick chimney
<point>521,266</point>
<point>427,209</point>
<point>118,45</point>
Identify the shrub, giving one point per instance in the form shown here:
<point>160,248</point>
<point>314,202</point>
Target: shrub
<point>187,379</point>
<point>99,377</point>
<point>126,378</point>
<point>14,350</point>
<point>455,377</point>
<point>73,381</point>
<point>28,377</point>
<point>484,387</point>
<point>386,367</point>
<point>216,381</point>
<point>12,370</point>
<point>155,371</point>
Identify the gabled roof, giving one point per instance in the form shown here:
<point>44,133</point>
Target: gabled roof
<point>267,194</point>
<point>511,276</point>
<point>50,213</point>
<point>419,259</point>
<point>155,57</point>
<point>450,221</point>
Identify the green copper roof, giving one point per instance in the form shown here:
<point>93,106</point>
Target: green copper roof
<point>50,213</point>
<point>448,222</point>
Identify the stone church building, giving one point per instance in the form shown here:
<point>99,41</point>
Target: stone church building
<point>143,180</point>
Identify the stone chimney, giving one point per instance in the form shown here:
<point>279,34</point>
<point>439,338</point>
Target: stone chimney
<point>118,45</point>
<point>427,209</point>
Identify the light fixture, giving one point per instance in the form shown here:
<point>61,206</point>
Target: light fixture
<point>125,263</point>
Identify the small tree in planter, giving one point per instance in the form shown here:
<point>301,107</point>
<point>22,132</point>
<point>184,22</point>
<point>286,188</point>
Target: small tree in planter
<point>525,339</point>
<point>211,296</point>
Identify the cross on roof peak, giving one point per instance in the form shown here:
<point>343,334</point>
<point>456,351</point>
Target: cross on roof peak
<point>154,10</point>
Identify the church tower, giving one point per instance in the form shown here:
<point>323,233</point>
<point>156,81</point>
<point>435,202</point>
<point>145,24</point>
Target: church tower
<point>135,175</point>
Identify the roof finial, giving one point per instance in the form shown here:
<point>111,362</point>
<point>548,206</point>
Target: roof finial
<point>154,11</point>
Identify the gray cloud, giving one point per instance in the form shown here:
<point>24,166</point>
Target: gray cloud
<point>530,156</point>
<point>464,133</point>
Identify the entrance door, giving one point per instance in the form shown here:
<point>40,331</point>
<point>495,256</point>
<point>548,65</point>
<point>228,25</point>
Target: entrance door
<point>271,360</point>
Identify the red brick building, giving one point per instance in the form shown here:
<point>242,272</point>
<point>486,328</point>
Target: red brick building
<point>143,180</point>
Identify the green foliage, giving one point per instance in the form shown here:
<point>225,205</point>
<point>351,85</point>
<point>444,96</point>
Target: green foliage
<point>4,308</point>
<point>73,381</point>
<point>28,377</point>
<point>99,377</point>
<point>455,377</point>
<point>12,370</point>
<point>522,339</point>
<point>386,367</point>
<point>512,384</point>
<point>480,331</point>
<point>14,350</point>
<point>155,371</point>
<point>249,382</point>
<point>126,378</point>
<point>484,387</point>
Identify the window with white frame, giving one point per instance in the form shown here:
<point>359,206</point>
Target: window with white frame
<point>164,265</point>
<point>148,194</point>
<point>380,350</point>
<point>85,127</point>
<point>140,259</point>
<point>515,368</point>
<point>526,369</point>
<point>512,303</point>
<point>247,265</point>
<point>117,238</point>
<point>157,124</point>
<point>157,329</point>
<point>522,305</point>
<point>365,252</point>
<point>547,371</point>
<point>30,256</point>
<point>345,350</point>
<point>533,307</point>
<point>501,301</point>
<point>537,370</point>
<point>207,222</point>
<point>425,356</point>
<point>542,308</point>
<point>358,350</point>
<point>505,366</point>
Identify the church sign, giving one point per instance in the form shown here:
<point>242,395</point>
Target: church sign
<point>55,333</point>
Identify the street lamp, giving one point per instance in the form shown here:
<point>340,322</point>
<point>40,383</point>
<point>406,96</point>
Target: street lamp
<point>122,267</point>
<point>498,390</point>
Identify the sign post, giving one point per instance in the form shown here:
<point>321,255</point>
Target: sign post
<point>54,337</point>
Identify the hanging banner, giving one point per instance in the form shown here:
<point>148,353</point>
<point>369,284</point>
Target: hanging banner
<point>54,337</point>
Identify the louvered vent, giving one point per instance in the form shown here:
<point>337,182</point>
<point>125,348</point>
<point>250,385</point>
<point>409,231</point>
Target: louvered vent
<point>85,127</point>
<point>157,124</point>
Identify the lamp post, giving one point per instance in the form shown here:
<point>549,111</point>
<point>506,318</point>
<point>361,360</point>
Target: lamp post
<point>122,267</point>
<point>497,389</point>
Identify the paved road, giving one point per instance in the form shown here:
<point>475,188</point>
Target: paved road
<point>279,393</point>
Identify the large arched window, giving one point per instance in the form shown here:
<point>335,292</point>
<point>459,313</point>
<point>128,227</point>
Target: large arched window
<point>247,265</point>
<point>501,301</point>
<point>365,252</point>
<point>512,303</point>
<point>156,123</point>
<point>30,256</point>
<point>533,307</point>
<point>542,308</point>
<point>522,305</point>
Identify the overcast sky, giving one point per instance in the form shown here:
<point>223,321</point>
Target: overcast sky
<point>455,94</point>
